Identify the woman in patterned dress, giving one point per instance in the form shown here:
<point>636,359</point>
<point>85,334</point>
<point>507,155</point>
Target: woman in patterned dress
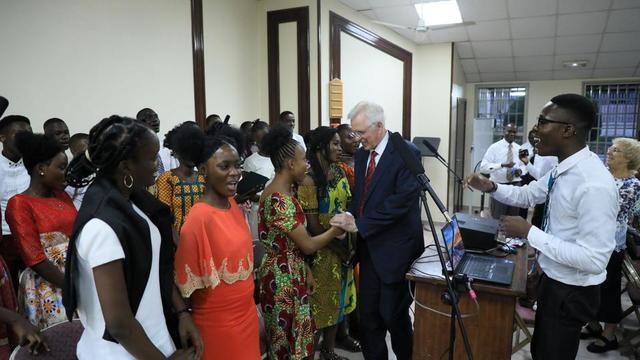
<point>41,220</point>
<point>182,187</point>
<point>285,280</point>
<point>623,160</point>
<point>324,193</point>
<point>25,333</point>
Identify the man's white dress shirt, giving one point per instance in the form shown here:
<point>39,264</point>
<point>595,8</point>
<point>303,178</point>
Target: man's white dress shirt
<point>379,149</point>
<point>15,180</point>
<point>495,156</point>
<point>583,205</point>
<point>541,165</point>
<point>300,140</point>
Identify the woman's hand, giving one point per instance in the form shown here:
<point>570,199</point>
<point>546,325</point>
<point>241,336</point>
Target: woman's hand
<point>189,334</point>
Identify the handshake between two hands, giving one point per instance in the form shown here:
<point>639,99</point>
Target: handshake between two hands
<point>344,221</point>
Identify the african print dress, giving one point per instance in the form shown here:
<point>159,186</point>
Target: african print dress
<point>335,294</point>
<point>179,195</point>
<point>41,228</point>
<point>283,290</point>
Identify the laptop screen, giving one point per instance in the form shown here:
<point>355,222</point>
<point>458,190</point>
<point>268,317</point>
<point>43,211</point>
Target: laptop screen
<point>453,239</point>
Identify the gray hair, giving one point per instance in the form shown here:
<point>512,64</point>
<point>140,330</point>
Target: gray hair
<point>371,111</point>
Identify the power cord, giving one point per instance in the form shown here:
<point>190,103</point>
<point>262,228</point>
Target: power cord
<point>472,296</point>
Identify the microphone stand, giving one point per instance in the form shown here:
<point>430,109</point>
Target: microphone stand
<point>458,200</point>
<point>450,296</point>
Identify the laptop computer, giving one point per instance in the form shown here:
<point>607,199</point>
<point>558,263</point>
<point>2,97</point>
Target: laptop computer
<point>484,268</point>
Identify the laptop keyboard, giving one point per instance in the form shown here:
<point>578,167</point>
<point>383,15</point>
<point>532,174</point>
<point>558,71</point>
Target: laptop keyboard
<point>477,268</point>
<point>481,268</point>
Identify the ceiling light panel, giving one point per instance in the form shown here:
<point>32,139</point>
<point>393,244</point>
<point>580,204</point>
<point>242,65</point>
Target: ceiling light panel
<point>439,12</point>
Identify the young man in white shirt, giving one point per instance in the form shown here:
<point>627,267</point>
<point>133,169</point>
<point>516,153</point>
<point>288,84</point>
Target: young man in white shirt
<point>14,180</point>
<point>503,166</point>
<point>577,236</point>
<point>289,120</point>
<point>57,129</point>
<point>166,161</point>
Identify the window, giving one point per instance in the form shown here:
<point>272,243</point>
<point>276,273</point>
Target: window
<point>617,108</point>
<point>505,105</point>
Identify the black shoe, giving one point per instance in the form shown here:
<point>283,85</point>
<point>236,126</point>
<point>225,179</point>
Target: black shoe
<point>590,333</point>
<point>608,345</point>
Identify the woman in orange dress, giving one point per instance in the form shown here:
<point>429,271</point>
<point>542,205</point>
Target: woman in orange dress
<point>214,260</point>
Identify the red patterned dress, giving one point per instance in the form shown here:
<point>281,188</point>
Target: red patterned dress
<point>41,228</point>
<point>283,290</point>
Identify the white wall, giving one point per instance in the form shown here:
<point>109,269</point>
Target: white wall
<point>539,93</point>
<point>368,73</point>
<point>431,107</point>
<point>232,38</point>
<point>360,19</point>
<point>287,47</point>
<point>85,60</point>
<point>263,7</point>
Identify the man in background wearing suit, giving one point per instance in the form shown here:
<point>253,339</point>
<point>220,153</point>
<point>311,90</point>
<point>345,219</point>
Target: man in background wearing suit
<point>385,204</point>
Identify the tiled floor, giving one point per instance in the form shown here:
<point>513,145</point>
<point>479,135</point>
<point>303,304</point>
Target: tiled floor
<point>628,325</point>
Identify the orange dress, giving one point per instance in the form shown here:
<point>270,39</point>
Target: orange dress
<point>214,266</point>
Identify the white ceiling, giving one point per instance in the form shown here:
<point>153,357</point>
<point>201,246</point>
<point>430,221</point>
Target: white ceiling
<point>515,40</point>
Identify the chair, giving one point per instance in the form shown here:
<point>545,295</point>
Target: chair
<point>62,340</point>
<point>522,317</point>
<point>630,272</point>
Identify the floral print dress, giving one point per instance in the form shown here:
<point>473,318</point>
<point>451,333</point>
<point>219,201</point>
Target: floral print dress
<point>283,292</point>
<point>335,294</point>
<point>41,227</point>
<point>629,192</point>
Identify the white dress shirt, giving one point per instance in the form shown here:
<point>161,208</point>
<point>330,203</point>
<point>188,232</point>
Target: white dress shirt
<point>15,180</point>
<point>300,141</point>
<point>379,149</point>
<point>495,156</point>
<point>583,205</point>
<point>76,195</point>
<point>541,166</point>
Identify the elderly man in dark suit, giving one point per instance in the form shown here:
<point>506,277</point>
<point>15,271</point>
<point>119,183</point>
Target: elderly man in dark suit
<point>385,204</point>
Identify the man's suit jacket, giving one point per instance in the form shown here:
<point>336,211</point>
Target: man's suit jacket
<point>390,225</point>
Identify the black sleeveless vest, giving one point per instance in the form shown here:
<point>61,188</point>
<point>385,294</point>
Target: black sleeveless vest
<point>103,201</point>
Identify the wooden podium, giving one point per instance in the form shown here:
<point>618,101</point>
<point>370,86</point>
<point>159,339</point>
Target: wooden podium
<point>490,330</point>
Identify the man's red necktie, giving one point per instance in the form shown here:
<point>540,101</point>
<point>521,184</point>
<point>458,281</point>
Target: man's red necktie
<point>367,179</point>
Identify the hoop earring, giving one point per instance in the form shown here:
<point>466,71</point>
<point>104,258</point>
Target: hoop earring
<point>128,183</point>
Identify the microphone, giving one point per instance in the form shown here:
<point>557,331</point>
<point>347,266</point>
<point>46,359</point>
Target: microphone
<point>430,147</point>
<point>441,159</point>
<point>226,119</point>
<point>410,159</point>
<point>4,104</point>
<point>414,166</point>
